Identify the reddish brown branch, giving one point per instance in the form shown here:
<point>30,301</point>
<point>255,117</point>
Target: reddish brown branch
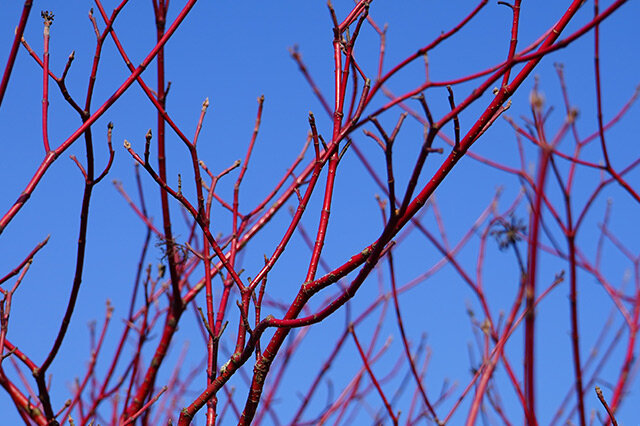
<point>11,59</point>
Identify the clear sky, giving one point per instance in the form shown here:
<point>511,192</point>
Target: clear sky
<point>233,52</point>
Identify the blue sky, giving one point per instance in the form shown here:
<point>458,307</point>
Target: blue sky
<point>233,53</point>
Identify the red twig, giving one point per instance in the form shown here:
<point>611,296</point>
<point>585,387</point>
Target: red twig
<point>394,417</point>
<point>26,8</point>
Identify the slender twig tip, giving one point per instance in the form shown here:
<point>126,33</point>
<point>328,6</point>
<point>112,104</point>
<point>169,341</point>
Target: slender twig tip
<point>47,16</point>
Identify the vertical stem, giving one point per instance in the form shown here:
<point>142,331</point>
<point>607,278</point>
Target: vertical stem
<point>211,365</point>
<point>405,342</point>
<point>575,335</point>
<point>530,288</point>
<point>161,14</point>
<point>48,20</point>
<point>596,60</point>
